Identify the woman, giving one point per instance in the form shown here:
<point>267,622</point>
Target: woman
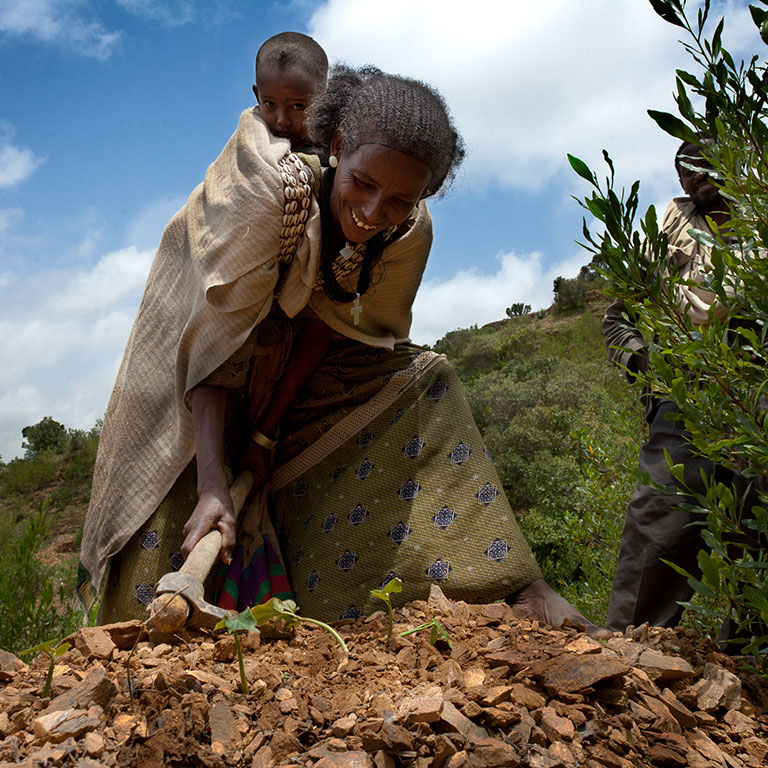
<point>273,333</point>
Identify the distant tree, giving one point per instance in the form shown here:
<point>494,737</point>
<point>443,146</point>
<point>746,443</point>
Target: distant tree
<point>46,435</point>
<point>516,310</point>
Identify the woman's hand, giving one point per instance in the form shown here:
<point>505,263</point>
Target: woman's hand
<point>213,510</point>
<point>258,461</point>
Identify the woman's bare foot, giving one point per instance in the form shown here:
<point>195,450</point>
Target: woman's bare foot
<point>539,601</point>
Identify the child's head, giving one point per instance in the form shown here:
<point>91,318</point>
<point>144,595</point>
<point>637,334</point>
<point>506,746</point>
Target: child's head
<point>291,69</point>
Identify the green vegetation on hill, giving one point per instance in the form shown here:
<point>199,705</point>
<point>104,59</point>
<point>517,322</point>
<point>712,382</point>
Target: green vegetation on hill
<point>43,497</point>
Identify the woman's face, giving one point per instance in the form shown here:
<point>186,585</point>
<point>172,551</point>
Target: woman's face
<point>375,188</point>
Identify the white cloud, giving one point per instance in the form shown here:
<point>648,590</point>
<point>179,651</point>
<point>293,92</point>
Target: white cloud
<point>471,297</point>
<point>530,82</point>
<point>171,13</point>
<point>61,338</point>
<point>62,22</point>
<point>16,163</point>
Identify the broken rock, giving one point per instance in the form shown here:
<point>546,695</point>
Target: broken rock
<point>63,724</point>
<point>555,728</point>
<point>354,759</point>
<point>223,728</point>
<point>95,689</point>
<point>94,643</point>
<point>570,672</point>
<point>494,753</point>
<point>453,720</point>
<point>422,705</point>
<point>10,665</point>
<point>718,689</point>
<point>659,666</point>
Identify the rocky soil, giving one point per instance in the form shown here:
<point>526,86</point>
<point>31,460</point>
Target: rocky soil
<point>507,693</point>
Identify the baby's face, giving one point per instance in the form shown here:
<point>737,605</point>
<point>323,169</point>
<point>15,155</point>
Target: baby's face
<point>283,98</point>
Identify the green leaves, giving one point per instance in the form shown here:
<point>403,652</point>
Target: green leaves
<point>669,10</point>
<point>437,632</point>
<point>243,622</point>
<point>390,588</point>
<point>385,594</point>
<point>760,17</point>
<point>274,609</point>
<point>712,367</point>
<point>53,650</point>
<point>582,169</point>
<point>673,126</point>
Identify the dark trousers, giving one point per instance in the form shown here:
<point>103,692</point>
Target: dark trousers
<point>644,588</point>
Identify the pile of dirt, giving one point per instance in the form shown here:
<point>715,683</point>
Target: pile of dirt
<point>507,693</point>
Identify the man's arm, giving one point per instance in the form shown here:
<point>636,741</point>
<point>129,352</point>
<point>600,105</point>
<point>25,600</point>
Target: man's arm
<point>619,331</point>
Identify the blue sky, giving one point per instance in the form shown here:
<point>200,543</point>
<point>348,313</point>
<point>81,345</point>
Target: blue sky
<point>111,110</point>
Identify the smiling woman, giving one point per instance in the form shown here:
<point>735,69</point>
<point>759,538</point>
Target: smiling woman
<point>273,338</point>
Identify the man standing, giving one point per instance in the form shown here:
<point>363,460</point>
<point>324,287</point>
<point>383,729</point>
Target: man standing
<point>645,588</point>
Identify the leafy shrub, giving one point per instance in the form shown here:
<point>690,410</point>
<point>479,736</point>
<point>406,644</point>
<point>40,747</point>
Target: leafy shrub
<point>35,603</point>
<point>77,471</point>
<point>30,473</point>
<point>570,294</point>
<point>714,372</point>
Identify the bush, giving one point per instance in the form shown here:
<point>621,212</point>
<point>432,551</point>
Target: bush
<point>518,309</point>
<point>35,601</point>
<point>29,474</point>
<point>77,472</point>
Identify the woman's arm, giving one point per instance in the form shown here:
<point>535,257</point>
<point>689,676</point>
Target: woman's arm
<point>209,404</point>
<point>306,356</point>
<point>214,505</point>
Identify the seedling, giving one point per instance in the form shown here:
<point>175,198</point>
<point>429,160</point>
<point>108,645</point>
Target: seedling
<point>253,618</point>
<point>437,632</point>
<point>393,585</point>
<point>53,651</point>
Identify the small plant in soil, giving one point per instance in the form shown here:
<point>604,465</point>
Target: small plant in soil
<point>385,593</point>
<point>437,632</point>
<point>273,609</point>
<point>53,650</point>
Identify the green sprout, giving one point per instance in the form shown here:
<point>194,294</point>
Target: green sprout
<point>253,618</point>
<point>393,585</point>
<point>437,632</point>
<point>53,650</point>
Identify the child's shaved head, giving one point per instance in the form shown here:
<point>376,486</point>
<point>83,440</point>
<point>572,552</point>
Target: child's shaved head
<point>292,50</point>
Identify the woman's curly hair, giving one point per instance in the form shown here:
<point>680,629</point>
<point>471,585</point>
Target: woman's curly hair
<point>366,104</point>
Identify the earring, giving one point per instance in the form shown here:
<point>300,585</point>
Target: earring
<point>333,161</point>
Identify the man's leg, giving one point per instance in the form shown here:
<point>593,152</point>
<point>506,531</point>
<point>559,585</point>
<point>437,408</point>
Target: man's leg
<point>644,588</point>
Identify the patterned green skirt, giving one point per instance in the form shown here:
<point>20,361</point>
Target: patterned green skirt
<point>382,472</point>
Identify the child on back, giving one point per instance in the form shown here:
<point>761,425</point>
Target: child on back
<point>291,69</point>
